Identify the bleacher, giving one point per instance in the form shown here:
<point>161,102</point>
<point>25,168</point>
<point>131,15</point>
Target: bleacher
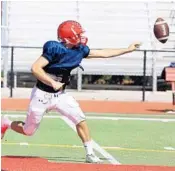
<point>107,25</point>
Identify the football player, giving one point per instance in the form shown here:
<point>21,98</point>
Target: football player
<point>52,71</point>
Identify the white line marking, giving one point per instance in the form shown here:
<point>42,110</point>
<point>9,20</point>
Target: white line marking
<point>102,118</point>
<point>23,143</point>
<point>171,112</point>
<point>130,118</point>
<point>169,148</point>
<point>109,157</point>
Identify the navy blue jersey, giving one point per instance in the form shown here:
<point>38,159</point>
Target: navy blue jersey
<point>61,61</point>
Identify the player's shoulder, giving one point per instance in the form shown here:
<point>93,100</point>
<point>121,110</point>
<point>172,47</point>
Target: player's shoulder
<point>84,47</point>
<point>52,44</point>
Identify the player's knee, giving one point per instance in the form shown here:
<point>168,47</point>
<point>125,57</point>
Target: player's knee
<point>30,130</point>
<point>28,133</point>
<point>32,123</point>
<point>83,118</point>
<point>80,119</point>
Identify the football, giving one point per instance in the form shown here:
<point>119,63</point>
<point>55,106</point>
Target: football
<point>161,30</point>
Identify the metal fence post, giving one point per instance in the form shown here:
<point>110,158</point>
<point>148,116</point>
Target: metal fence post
<point>79,80</point>
<point>154,73</point>
<point>11,72</point>
<point>15,80</point>
<point>4,52</point>
<point>144,76</point>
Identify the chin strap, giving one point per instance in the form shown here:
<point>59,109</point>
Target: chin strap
<point>83,40</point>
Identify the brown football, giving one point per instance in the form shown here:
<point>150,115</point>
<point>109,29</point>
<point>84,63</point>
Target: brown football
<point>161,30</point>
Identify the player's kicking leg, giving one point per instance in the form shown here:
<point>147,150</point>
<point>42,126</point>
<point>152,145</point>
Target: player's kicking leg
<point>28,127</point>
<point>83,132</point>
<point>68,107</point>
<point>33,119</point>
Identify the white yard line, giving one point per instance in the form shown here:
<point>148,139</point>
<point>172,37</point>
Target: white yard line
<point>102,118</point>
<point>131,118</point>
<point>169,148</point>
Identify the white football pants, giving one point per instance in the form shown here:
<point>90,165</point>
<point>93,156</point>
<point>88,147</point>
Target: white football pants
<point>41,102</point>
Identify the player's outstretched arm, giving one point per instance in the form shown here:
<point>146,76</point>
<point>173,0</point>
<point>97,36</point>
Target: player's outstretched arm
<point>108,53</point>
<point>40,74</point>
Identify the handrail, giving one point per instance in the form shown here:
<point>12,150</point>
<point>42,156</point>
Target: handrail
<point>36,47</point>
<point>39,47</point>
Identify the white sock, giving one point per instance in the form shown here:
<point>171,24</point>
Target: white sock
<point>9,124</point>
<point>88,147</point>
<point>7,121</point>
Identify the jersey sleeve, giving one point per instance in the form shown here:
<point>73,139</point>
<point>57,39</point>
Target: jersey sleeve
<point>51,50</point>
<point>86,51</point>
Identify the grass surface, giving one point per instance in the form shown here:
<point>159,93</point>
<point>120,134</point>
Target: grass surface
<point>139,142</point>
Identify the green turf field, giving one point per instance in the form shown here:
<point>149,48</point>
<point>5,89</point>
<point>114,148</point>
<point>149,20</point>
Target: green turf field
<point>130,140</point>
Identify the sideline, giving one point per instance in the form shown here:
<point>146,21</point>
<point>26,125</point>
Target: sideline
<point>101,118</point>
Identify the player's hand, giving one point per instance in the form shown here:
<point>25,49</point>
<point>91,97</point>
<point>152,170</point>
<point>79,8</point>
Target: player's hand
<point>57,85</point>
<point>134,46</point>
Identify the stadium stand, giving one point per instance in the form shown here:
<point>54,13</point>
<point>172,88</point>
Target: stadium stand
<point>107,24</point>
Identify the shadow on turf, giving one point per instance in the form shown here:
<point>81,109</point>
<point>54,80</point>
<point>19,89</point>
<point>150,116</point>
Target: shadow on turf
<point>161,111</point>
<point>21,157</point>
<point>68,159</point>
<point>54,159</point>
<point>65,159</point>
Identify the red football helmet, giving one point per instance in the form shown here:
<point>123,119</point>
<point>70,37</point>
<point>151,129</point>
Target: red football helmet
<point>71,32</point>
